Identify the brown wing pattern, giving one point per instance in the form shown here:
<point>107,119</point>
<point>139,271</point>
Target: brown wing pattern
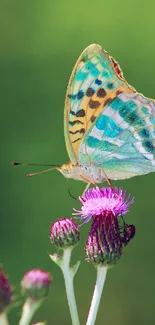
<point>96,79</point>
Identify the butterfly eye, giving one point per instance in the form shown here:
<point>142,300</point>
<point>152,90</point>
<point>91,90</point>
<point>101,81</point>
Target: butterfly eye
<point>65,169</point>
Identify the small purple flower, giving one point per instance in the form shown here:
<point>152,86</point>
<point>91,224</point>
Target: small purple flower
<point>5,291</point>
<point>36,283</point>
<point>104,201</point>
<point>64,233</point>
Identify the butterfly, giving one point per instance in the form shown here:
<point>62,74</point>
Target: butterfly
<point>109,128</point>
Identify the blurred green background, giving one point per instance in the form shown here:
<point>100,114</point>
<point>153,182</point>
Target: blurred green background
<point>39,44</point>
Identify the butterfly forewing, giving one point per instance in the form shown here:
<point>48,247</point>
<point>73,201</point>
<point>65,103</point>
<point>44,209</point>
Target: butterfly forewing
<point>95,81</point>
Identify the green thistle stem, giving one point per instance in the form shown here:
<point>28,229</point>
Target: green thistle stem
<point>28,311</point>
<point>68,274</point>
<point>101,276</point>
<point>4,319</point>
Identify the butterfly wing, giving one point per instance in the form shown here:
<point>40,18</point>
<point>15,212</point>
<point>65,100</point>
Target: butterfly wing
<point>96,79</point>
<point>122,138</point>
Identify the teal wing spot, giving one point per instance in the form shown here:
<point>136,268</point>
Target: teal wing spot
<point>126,109</point>
<point>110,128</point>
<point>134,119</point>
<point>81,75</point>
<point>93,142</point>
<point>102,121</point>
<point>113,130</point>
<point>107,73</point>
<point>144,110</point>
<point>148,145</point>
<point>152,120</point>
<point>144,133</point>
<point>89,65</point>
<point>116,103</point>
<point>94,72</point>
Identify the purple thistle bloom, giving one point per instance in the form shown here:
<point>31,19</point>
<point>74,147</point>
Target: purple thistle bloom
<point>36,283</point>
<point>5,291</point>
<point>107,237</point>
<point>104,201</point>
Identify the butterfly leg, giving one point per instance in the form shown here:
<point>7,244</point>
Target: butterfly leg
<point>88,180</point>
<point>86,188</point>
<point>109,182</point>
<point>106,177</point>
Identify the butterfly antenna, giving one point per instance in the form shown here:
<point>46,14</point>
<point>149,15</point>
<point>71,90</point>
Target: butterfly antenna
<point>43,171</point>
<point>15,163</point>
<point>38,173</point>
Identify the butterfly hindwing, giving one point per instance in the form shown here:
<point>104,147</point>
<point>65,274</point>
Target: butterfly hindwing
<point>96,79</point>
<point>122,138</point>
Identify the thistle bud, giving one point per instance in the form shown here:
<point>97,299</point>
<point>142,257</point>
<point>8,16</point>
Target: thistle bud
<point>5,291</point>
<point>64,233</point>
<point>35,284</point>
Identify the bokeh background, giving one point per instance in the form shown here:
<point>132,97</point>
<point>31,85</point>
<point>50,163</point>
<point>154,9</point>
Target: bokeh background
<point>39,44</point>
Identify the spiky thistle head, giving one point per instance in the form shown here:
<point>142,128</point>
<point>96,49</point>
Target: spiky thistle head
<point>103,202</point>
<point>107,237</point>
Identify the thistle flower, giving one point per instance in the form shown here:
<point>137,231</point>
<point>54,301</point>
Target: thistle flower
<point>64,233</point>
<point>104,201</point>
<point>107,237</point>
<point>5,291</point>
<point>35,284</point>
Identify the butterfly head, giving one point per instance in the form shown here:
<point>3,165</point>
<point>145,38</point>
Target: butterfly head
<point>71,171</point>
<point>67,170</point>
